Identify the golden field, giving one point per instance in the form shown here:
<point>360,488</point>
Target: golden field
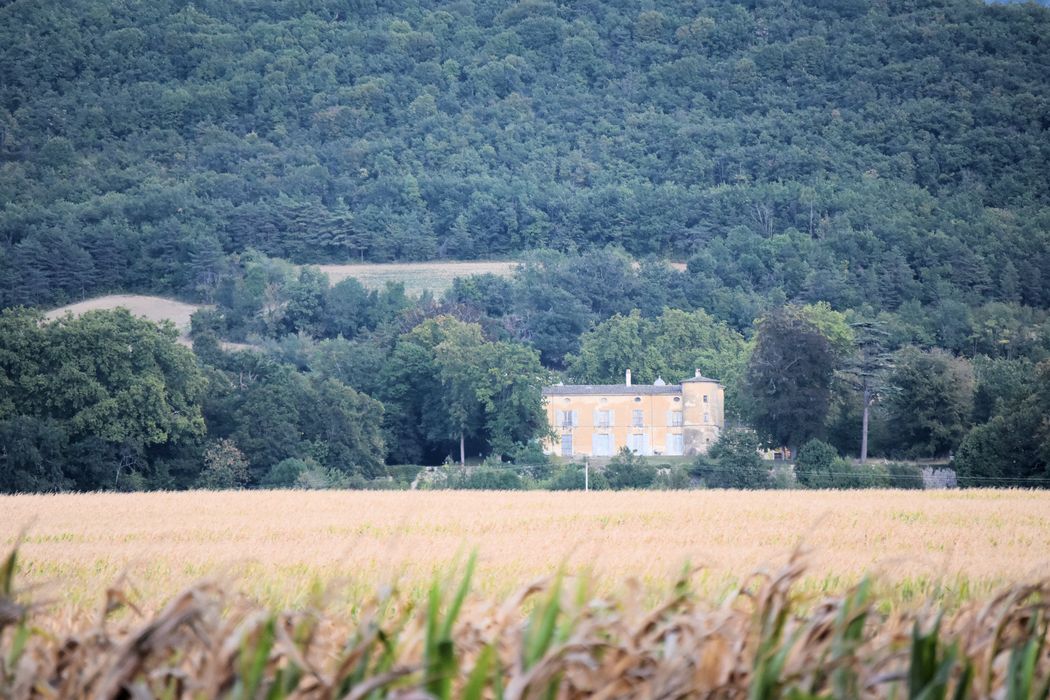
<point>278,546</point>
<point>436,276</point>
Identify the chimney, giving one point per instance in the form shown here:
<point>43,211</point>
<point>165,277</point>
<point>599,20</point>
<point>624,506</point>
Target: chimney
<point>628,377</point>
<point>699,374</point>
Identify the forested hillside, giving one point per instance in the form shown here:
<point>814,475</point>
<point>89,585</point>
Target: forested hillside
<point>843,151</point>
<point>861,192</point>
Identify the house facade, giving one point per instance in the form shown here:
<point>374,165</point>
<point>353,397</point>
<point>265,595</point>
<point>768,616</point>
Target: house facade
<point>597,420</point>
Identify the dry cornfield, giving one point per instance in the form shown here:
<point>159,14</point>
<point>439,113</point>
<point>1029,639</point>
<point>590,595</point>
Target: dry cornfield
<point>279,547</point>
<point>108,599</point>
<point>756,644</point>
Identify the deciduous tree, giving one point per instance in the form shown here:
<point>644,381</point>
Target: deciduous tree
<point>788,379</point>
<point>930,401</point>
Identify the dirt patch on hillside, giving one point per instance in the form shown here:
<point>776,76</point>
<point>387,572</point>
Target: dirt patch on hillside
<point>155,309</point>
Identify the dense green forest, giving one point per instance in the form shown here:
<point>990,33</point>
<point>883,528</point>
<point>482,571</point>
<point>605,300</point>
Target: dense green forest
<point>840,151</point>
<point>860,190</point>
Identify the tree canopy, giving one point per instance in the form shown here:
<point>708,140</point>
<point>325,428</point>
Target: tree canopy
<point>852,153</point>
<point>748,188</point>
<point>88,399</point>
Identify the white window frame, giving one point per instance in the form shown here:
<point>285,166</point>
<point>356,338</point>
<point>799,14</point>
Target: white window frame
<point>566,437</point>
<point>675,444</point>
<point>602,445</point>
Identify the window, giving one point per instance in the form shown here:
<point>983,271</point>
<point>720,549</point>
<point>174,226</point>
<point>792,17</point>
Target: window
<point>637,418</point>
<point>567,419</point>
<point>675,444</point>
<point>637,399</point>
<point>566,445</point>
<point>638,443</point>
<point>602,445</point>
<point>705,398</point>
<point>707,417</point>
<point>603,419</point>
<point>676,419</point>
<point>677,399</point>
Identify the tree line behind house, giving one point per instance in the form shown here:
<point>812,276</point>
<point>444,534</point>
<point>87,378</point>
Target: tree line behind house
<point>344,382</point>
<point>867,181</point>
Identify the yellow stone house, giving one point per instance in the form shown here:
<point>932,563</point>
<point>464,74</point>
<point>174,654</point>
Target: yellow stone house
<point>597,420</point>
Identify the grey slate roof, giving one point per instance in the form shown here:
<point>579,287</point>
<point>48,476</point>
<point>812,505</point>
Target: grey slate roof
<point>700,379</point>
<point>611,390</point>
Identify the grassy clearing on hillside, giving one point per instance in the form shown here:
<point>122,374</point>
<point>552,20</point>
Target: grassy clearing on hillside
<point>417,277</point>
<point>155,309</point>
<point>279,546</point>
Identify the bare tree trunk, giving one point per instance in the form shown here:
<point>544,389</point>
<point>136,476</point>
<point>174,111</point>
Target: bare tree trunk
<point>864,425</point>
<point>462,450</point>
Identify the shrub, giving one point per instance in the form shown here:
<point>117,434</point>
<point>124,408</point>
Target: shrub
<point>489,479</point>
<point>817,465</point>
<point>285,474</point>
<point>903,476</point>
<point>531,455</point>
<point>629,471</point>
<point>782,477</point>
<point>404,473</point>
<point>320,478</point>
<point>224,466</point>
<point>671,478</point>
<point>863,476</point>
<point>571,478</point>
<point>734,462</point>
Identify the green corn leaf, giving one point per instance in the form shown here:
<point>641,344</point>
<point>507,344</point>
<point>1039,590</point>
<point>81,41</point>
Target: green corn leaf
<point>256,659</point>
<point>1021,681</point>
<point>169,690</point>
<point>542,626</point>
<point>7,574</point>
<point>433,615</point>
<point>962,690</point>
<point>18,644</point>
<point>497,679</point>
<point>479,675</point>
<point>278,689</point>
<point>457,600</point>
